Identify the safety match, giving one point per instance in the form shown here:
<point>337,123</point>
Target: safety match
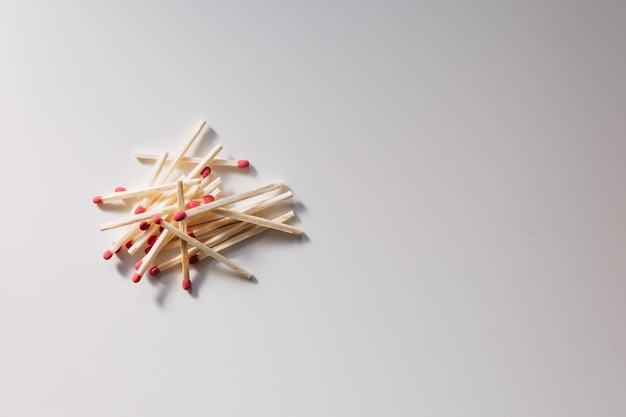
<point>125,195</point>
<point>226,243</point>
<point>225,201</point>
<point>238,163</point>
<point>260,221</point>
<point>182,227</point>
<point>203,248</point>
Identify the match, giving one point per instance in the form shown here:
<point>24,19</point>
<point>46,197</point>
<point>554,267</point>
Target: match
<point>237,163</point>
<point>190,214</point>
<point>203,248</point>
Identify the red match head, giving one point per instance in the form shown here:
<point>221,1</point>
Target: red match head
<point>129,244</point>
<point>147,249</point>
<point>154,270</point>
<point>190,233</point>
<point>243,163</point>
<point>206,171</point>
<point>208,198</point>
<point>140,209</point>
<point>118,189</point>
<point>193,259</point>
<point>107,254</point>
<point>138,264</point>
<point>187,285</point>
<point>97,199</point>
<point>179,216</point>
<point>157,219</point>
<point>136,278</point>
<point>152,239</point>
<point>144,225</point>
<point>193,203</point>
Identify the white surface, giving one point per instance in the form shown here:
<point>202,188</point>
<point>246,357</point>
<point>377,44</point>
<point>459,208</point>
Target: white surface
<point>459,172</point>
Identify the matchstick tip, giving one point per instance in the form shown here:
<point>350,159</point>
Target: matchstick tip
<point>147,249</point>
<point>140,209</point>
<point>179,216</point>
<point>136,278</point>
<point>190,233</point>
<point>144,225</point>
<point>138,264</point>
<point>194,259</point>
<point>208,198</point>
<point>187,285</point>
<point>154,270</point>
<point>193,203</point>
<point>152,239</point>
<point>206,171</point>
<point>107,254</point>
<point>157,219</point>
<point>119,189</point>
<point>243,163</point>
<point>129,244</point>
<point>97,199</point>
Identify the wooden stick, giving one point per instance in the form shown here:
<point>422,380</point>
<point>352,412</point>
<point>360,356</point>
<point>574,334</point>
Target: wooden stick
<point>182,227</point>
<point>194,135</point>
<point>130,232</point>
<point>232,240</point>
<point>204,162</point>
<point>124,195</point>
<point>215,227</point>
<point>168,198</point>
<point>158,168</point>
<point>219,221</point>
<point>117,245</point>
<point>203,248</point>
<point>161,211</point>
<point>260,221</point>
<point>148,260</point>
<point>254,231</point>
<point>141,239</point>
<point>228,200</point>
<point>239,163</point>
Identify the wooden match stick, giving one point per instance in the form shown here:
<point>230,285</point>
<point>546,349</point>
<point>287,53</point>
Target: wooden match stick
<point>124,221</point>
<point>232,240</point>
<point>216,236</point>
<point>142,238</point>
<point>226,200</point>
<point>204,162</point>
<point>147,261</point>
<point>182,227</point>
<point>254,231</point>
<point>194,135</point>
<point>208,229</point>
<point>239,163</point>
<point>219,221</point>
<point>156,211</point>
<point>260,221</point>
<point>125,237</point>
<point>203,248</point>
<point>158,168</point>
<point>131,231</point>
<point>168,198</point>
<point>124,195</point>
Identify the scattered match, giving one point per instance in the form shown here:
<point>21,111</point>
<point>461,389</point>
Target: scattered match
<point>180,217</point>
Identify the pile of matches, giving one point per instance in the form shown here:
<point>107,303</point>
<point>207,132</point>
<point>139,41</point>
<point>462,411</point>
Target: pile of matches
<point>182,221</point>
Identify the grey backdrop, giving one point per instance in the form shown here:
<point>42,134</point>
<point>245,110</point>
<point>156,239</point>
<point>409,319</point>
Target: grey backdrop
<point>458,168</point>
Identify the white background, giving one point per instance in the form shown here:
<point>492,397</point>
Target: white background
<point>458,168</point>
